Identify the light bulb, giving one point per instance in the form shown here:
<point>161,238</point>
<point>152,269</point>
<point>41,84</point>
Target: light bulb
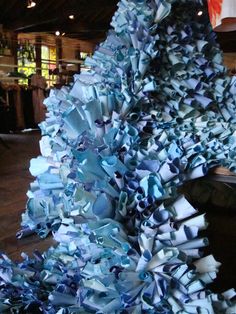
<point>200,13</point>
<point>31,4</point>
<point>57,33</point>
<point>71,16</point>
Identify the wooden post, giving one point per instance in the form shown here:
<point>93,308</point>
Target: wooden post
<point>38,53</point>
<point>59,51</point>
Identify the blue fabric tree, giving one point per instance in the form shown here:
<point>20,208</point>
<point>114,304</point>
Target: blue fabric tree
<point>156,110</point>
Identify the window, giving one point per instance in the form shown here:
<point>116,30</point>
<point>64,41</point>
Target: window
<point>48,63</point>
<point>27,64</point>
<point>26,60</point>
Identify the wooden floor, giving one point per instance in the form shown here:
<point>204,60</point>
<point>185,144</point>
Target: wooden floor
<point>14,182</point>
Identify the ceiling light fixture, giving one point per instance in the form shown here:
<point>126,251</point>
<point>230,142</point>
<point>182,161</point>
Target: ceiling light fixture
<point>200,13</point>
<point>30,4</point>
<point>57,33</point>
<point>71,16</point>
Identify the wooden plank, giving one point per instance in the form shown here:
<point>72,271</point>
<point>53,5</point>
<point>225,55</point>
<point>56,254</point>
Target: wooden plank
<point>14,183</point>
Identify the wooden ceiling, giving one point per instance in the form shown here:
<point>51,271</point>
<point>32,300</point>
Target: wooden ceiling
<point>92,18</point>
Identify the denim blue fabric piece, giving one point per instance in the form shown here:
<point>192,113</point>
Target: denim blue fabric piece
<point>156,109</point>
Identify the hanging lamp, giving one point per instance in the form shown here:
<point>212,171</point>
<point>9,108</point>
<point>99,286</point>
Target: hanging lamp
<point>30,4</point>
